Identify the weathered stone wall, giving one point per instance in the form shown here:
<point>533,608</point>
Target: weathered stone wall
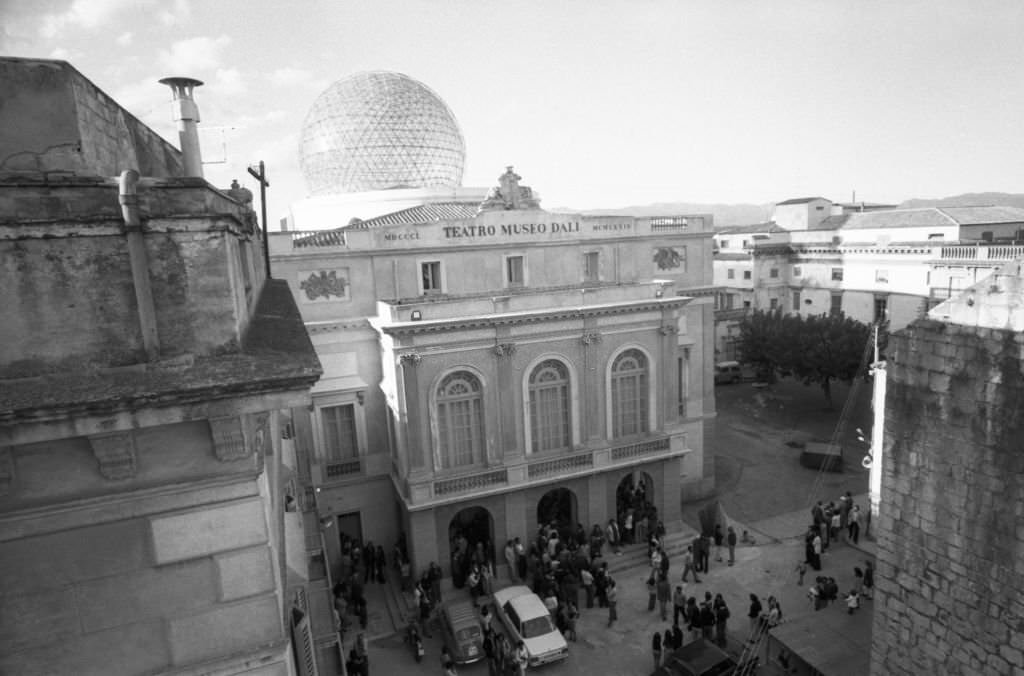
<point>54,119</point>
<point>950,572</point>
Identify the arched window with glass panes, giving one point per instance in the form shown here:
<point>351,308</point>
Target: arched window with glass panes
<point>550,424</point>
<point>460,420</point>
<point>629,393</point>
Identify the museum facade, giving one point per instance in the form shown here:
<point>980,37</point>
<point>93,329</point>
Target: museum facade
<point>489,366</point>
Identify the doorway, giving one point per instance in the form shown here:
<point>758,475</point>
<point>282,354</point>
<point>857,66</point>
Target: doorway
<point>470,538</point>
<point>558,507</point>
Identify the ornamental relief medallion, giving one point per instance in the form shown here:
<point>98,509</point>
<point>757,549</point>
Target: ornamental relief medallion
<point>324,285</point>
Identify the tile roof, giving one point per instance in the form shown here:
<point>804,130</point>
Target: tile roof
<point>984,215</point>
<point>799,200</point>
<point>423,213</point>
<point>896,218</point>
<point>770,226</point>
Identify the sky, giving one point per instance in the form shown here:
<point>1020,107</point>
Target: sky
<point>597,103</point>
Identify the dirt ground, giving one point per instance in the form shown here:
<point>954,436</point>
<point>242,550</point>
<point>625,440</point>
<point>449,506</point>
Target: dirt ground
<point>757,443</point>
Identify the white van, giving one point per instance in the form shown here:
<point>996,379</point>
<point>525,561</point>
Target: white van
<point>728,372</point>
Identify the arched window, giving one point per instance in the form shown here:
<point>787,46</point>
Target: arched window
<point>460,420</point>
<point>549,407</point>
<point>629,394</point>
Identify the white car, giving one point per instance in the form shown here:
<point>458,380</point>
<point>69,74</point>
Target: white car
<point>527,619</point>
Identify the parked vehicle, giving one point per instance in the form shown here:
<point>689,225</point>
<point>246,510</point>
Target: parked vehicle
<point>461,631</point>
<point>698,658</point>
<point>526,618</point>
<point>728,372</point>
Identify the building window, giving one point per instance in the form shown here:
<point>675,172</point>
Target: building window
<point>745,242</point>
<point>796,270</point>
<point>837,274</point>
<point>774,273</point>
<point>881,308</point>
<point>746,274</point>
<point>683,376</point>
<point>724,244</point>
<point>514,270</point>
<point>341,442</point>
<point>460,420</point>
<point>746,305</point>
<point>549,407</point>
<point>430,276</point>
<point>882,276</point>
<point>796,301</point>
<point>773,304</point>
<point>629,394</point>
<point>731,273</point>
<point>836,304</point>
<point>591,266</point>
<point>730,301</point>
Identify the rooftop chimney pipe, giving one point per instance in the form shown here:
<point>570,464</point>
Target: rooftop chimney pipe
<point>186,114</point>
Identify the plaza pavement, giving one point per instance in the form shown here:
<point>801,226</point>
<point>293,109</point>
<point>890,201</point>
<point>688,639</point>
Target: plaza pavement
<point>766,568</point>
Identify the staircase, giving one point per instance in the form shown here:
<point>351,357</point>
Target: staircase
<point>635,556</point>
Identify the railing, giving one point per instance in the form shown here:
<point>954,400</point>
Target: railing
<point>471,483</point>
<point>731,313</point>
<point>337,469</point>
<point>640,448</point>
<point>981,252</point>
<point>302,239</point>
<point>560,465</point>
<point>664,223</point>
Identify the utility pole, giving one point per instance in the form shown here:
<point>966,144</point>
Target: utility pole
<point>261,176</point>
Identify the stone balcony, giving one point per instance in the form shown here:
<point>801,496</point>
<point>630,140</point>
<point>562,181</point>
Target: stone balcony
<point>994,254</point>
<point>428,490</point>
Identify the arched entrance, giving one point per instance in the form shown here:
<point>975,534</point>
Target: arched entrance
<point>558,506</point>
<point>470,537</point>
<point>635,495</point>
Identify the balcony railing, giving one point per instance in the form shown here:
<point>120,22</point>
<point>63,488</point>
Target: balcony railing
<point>730,314</point>
<point>340,469</point>
<point>319,238</point>
<point>981,252</point>
<point>473,482</point>
<point>639,449</point>
<point>562,465</point>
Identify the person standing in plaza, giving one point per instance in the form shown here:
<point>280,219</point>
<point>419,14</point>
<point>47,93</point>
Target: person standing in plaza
<point>705,552</point>
<point>664,595</point>
<point>869,579</point>
<point>678,605</point>
<point>688,564</point>
<point>754,615</point>
<point>695,547</point>
<point>719,540</point>
<point>613,536</point>
<point>656,648</point>
<point>510,560</point>
<point>854,524</point>
<point>627,528</point>
<point>721,618</point>
<point>588,585</point>
<point>816,546</point>
<point>652,592</point>
<point>612,596</point>
<point>730,538</point>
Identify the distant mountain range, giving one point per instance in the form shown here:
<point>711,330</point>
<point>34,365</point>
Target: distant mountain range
<point>748,214</point>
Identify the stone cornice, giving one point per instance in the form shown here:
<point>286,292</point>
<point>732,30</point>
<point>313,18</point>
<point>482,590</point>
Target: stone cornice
<point>532,317</point>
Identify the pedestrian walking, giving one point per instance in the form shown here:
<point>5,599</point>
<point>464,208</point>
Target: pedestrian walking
<point>730,538</point>
<point>612,597</point>
<point>754,615</point>
<point>801,568</point>
<point>869,579</point>
<point>854,524</point>
<point>719,540</point>
<point>664,596</point>
<point>571,615</point>
<point>688,564</point>
<point>656,648</point>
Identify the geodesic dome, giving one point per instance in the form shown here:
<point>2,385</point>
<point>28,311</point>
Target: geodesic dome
<point>379,130</point>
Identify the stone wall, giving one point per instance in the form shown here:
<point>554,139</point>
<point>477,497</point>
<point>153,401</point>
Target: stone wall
<point>55,119</point>
<point>950,576</point>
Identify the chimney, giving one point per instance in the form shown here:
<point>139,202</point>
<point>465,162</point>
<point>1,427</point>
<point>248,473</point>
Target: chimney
<point>186,114</point>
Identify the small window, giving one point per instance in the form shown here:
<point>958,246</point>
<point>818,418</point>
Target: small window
<point>986,236</point>
<point>591,266</point>
<point>746,305</point>
<point>796,271</point>
<point>431,276</point>
<point>820,207</point>
<point>773,304</point>
<point>837,274</point>
<point>731,274</point>
<point>881,309</point>
<point>936,236</point>
<point>724,244</point>
<point>882,276</point>
<point>836,304</point>
<point>746,274</point>
<point>774,273</point>
<point>796,301</point>
<point>514,270</point>
<point>745,242</point>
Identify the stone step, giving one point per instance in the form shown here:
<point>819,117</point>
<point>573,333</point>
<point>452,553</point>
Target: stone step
<point>635,556</point>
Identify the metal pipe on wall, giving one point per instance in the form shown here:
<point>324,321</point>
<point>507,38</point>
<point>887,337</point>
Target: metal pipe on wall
<point>139,260</point>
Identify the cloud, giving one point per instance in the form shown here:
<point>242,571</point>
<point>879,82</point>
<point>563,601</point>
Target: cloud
<point>60,53</point>
<point>125,39</point>
<point>178,14</point>
<point>295,77</point>
<point>86,14</point>
<point>186,57</point>
<point>229,81</point>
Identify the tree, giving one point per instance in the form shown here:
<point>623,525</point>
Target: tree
<point>817,348</point>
